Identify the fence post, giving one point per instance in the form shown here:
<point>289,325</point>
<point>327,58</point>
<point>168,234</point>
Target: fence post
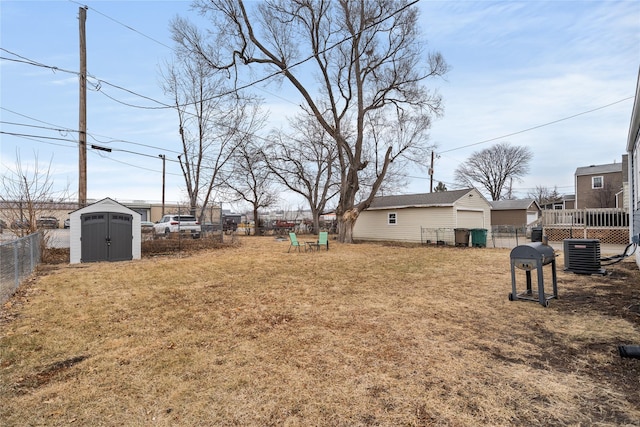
<point>15,265</point>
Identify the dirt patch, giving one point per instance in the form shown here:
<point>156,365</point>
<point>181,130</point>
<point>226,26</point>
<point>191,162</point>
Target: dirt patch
<point>30,382</point>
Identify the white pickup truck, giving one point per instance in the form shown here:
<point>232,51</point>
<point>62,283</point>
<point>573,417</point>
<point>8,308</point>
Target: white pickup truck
<point>178,224</point>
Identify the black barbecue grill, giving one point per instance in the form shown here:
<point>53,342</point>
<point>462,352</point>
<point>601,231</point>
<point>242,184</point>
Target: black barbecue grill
<point>529,257</point>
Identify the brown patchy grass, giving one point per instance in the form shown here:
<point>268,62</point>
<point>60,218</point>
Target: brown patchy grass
<point>361,335</point>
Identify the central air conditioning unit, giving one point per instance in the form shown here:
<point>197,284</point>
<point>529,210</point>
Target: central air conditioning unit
<point>582,256</point>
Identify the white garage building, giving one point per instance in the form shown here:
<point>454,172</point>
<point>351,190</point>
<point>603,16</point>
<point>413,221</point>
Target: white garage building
<point>404,218</point>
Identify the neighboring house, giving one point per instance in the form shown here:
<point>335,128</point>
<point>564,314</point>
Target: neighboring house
<point>515,212</point>
<point>599,186</point>
<point>403,217</point>
<point>633,184</point>
<point>565,202</point>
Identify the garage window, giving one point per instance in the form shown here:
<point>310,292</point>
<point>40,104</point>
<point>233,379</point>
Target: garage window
<point>392,218</point>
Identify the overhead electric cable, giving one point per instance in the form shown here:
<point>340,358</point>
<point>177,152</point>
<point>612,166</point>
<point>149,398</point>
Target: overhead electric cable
<point>537,126</point>
<point>37,127</point>
<point>246,86</point>
<point>90,134</point>
<point>120,23</point>
<point>36,136</point>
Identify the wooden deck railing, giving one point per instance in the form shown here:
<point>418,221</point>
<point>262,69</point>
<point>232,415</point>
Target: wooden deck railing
<point>607,225</point>
<point>606,218</point>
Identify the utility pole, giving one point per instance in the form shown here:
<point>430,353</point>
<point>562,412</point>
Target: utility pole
<point>163,157</point>
<point>431,174</point>
<point>82,122</point>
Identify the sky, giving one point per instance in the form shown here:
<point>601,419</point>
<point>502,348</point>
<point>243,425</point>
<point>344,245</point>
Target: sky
<point>555,76</point>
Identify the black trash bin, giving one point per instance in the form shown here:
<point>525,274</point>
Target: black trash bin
<point>462,236</point>
<point>536,234</point>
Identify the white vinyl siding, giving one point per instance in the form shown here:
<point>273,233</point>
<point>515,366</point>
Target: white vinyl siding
<point>468,212</point>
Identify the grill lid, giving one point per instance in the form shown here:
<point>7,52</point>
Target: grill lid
<point>534,251</point>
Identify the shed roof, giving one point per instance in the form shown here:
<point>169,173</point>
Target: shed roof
<point>441,198</point>
<point>598,169</point>
<point>107,201</point>
<point>508,205</point>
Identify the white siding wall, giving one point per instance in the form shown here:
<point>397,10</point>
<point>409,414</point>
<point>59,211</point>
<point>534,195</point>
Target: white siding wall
<point>477,204</point>
<point>468,212</point>
<point>107,205</point>
<point>373,225</point>
<point>634,191</point>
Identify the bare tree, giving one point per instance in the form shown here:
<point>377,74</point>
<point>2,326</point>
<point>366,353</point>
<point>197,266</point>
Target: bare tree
<point>493,167</point>
<point>306,163</point>
<point>440,187</point>
<point>544,195</point>
<point>251,179</point>
<point>26,194</point>
<point>213,120</point>
<point>367,58</point>
<point>604,197</point>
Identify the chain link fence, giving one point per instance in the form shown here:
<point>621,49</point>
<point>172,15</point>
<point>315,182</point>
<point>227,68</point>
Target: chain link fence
<point>18,259</point>
<point>499,236</point>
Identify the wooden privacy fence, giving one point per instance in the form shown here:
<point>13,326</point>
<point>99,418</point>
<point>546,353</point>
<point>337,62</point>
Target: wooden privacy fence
<point>609,225</point>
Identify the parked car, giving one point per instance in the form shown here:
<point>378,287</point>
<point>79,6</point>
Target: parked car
<point>47,222</point>
<point>20,224</point>
<point>67,223</point>
<point>178,224</point>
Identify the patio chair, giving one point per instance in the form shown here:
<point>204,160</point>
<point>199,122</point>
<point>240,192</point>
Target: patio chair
<point>323,239</point>
<point>294,242</point>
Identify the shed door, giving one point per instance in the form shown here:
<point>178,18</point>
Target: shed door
<point>470,219</point>
<point>106,236</point>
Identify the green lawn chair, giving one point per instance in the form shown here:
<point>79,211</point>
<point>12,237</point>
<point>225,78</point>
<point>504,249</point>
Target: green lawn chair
<point>294,242</point>
<point>323,240</point>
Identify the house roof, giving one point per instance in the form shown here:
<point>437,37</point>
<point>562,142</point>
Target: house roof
<point>441,198</point>
<point>598,169</point>
<point>508,205</point>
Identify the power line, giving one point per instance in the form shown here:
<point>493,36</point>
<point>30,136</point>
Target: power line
<point>90,134</point>
<point>37,127</point>
<point>537,126</point>
<point>36,136</point>
<point>132,165</point>
<point>120,23</point>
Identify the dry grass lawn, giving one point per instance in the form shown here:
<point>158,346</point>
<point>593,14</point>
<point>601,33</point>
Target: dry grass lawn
<point>361,335</point>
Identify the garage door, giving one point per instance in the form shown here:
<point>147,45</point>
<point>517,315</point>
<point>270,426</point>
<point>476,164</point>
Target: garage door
<point>470,219</point>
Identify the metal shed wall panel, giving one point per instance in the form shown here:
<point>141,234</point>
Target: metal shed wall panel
<point>94,233</point>
<point>120,235</point>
